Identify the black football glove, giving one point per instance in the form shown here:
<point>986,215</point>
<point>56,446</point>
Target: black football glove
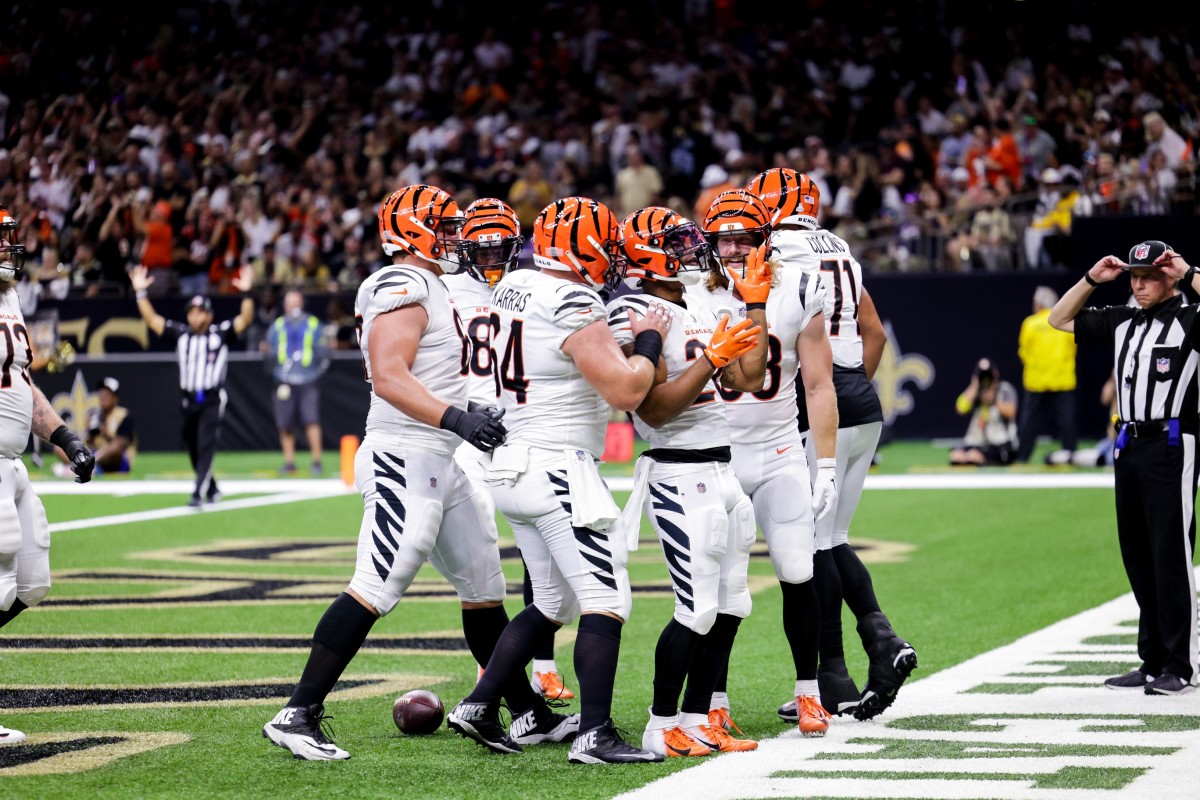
<point>483,430</point>
<point>80,456</point>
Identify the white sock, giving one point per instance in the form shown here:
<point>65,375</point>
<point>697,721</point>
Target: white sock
<point>544,665</point>
<point>719,700</point>
<point>807,687</point>
<point>688,720</point>
<point>657,723</point>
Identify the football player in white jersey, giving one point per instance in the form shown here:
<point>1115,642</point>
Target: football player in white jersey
<point>489,250</point>
<point>857,338</point>
<point>559,369</point>
<point>768,453</point>
<point>684,482</point>
<point>418,504</point>
<point>24,532</point>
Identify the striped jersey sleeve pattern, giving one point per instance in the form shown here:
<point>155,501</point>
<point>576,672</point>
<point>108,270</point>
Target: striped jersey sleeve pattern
<point>575,307</point>
<point>618,316</point>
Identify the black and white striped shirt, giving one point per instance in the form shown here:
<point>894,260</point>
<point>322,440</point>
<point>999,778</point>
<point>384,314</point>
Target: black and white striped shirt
<point>203,357</point>
<point>1155,358</point>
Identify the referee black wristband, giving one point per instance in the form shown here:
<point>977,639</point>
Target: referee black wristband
<point>62,436</point>
<point>1087,276</point>
<point>756,306</point>
<point>648,344</point>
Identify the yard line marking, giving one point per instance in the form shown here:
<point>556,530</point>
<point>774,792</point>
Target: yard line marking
<point>180,511</point>
<point>980,730</point>
<point>621,483</point>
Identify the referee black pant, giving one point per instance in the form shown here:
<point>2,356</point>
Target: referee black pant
<point>1156,525</point>
<point>201,424</point>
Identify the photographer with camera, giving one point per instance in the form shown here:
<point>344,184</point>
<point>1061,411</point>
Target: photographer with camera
<point>991,437</point>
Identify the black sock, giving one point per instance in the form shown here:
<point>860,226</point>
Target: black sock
<point>857,587</point>
<point>829,592</point>
<point>16,608</point>
<point>802,626</point>
<point>545,651</point>
<point>672,657</point>
<point>342,630</point>
<point>510,654</point>
<point>710,664</point>
<point>597,646</point>
<point>482,628</point>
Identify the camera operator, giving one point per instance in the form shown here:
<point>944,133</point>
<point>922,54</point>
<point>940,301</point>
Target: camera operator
<point>991,437</point>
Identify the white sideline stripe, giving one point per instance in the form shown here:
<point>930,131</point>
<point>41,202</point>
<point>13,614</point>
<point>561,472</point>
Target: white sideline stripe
<point>179,511</point>
<point>334,486</point>
<point>1167,777</point>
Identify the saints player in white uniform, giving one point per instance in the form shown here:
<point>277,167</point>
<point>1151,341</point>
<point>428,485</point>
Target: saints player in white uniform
<point>489,250</point>
<point>857,338</point>
<point>419,506</point>
<point>24,532</point>
<point>768,454</point>
<point>684,482</point>
<point>559,369</point>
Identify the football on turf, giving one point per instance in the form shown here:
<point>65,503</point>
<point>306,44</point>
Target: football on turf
<point>418,712</point>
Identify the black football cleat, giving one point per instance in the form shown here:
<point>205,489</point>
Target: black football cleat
<point>1137,679</point>
<point>481,723</point>
<point>540,724</point>
<point>604,745</point>
<point>839,695</point>
<point>892,660</point>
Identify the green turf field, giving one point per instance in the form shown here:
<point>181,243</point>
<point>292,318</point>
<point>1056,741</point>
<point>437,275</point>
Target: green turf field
<point>167,643</point>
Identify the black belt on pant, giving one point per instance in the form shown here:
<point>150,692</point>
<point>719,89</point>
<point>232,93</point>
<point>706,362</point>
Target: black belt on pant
<point>1142,430</point>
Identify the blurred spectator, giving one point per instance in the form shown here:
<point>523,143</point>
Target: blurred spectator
<point>1048,356</point>
<point>992,237</point>
<point>270,268</point>
<point>714,181</point>
<point>1037,148</point>
<point>158,245</point>
<point>991,437</point>
<point>1161,136</point>
<point>340,330</point>
<point>530,193</point>
<point>1046,235</point>
<point>638,183</point>
<point>296,345</point>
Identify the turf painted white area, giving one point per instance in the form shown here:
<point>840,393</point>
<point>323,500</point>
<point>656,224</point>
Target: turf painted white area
<point>181,511</point>
<point>1000,735</point>
<point>331,486</point>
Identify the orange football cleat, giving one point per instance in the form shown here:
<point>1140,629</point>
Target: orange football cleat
<point>814,719</point>
<point>550,686</point>
<point>721,740</point>
<point>719,718</point>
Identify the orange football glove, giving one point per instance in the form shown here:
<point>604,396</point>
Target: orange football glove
<point>728,345</point>
<point>756,286</point>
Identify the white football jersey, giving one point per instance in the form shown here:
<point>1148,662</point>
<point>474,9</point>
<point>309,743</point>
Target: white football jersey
<point>473,300</point>
<point>770,413</point>
<point>826,254</point>
<point>703,425</point>
<point>440,354</point>
<point>16,389</point>
<point>547,401</point>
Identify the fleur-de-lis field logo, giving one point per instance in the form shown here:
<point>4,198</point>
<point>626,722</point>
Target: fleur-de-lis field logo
<point>73,406</point>
<point>897,369</point>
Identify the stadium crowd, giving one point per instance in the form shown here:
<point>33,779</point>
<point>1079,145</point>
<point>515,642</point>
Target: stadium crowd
<point>214,140</point>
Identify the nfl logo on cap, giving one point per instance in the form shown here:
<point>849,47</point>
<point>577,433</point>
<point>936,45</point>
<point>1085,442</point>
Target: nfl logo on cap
<point>1141,251</point>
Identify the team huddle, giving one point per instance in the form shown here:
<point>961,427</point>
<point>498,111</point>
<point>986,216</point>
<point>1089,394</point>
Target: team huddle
<point>742,346</point>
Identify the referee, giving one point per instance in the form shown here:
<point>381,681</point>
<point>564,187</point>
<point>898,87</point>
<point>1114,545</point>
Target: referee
<point>203,352</point>
<point>1156,347</point>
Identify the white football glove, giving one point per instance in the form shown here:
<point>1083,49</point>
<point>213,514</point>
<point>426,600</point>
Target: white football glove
<point>824,487</point>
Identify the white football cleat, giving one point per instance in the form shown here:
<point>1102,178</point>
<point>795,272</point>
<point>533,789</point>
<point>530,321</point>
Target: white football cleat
<point>299,729</point>
<point>9,736</point>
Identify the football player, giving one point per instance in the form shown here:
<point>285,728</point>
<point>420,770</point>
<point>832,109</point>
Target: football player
<point>703,519</point>
<point>558,369</point>
<point>418,504</point>
<point>857,338</point>
<point>489,250</point>
<point>768,453</point>
<point>24,532</point>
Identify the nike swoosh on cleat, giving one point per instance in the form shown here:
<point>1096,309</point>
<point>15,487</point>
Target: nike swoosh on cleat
<point>677,751</point>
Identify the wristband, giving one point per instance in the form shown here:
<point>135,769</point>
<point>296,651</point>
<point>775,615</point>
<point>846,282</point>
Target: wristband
<point>1087,276</point>
<point>62,436</point>
<point>450,418</point>
<point>756,306</point>
<point>648,345</point>
<point>827,463</point>
<point>1191,273</point>
<point>141,294</point>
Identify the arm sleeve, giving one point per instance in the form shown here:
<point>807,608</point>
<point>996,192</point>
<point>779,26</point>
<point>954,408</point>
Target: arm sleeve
<point>172,330</point>
<point>1099,324</point>
<point>618,316</point>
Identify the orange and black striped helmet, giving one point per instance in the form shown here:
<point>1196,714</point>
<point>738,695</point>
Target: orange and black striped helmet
<point>423,221</point>
<point>12,255</point>
<point>491,240</point>
<point>736,213</point>
<point>790,196</point>
<point>580,235</point>
<point>659,244</point>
